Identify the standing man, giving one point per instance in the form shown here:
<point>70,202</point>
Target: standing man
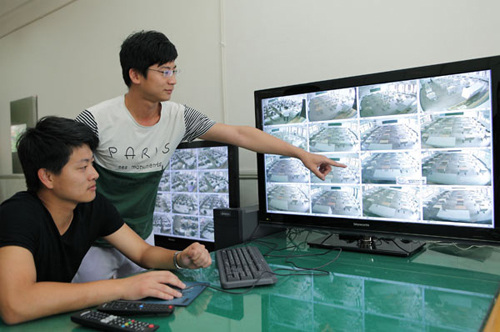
<point>46,231</point>
<point>138,134</point>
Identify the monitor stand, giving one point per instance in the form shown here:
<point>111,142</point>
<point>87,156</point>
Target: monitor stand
<point>369,244</point>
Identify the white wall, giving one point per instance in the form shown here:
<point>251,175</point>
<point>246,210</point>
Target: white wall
<point>230,48</point>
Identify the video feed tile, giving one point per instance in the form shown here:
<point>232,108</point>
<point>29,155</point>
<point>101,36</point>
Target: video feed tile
<point>162,223</point>
<point>390,168</point>
<point>388,99</point>
<point>456,131</point>
<point>394,203</point>
<point>207,228</point>
<point>457,168</point>
<point>454,92</point>
<point>210,202</point>
<point>293,198</point>
<point>163,202</point>
<point>389,135</point>
<point>287,170</point>
<point>213,182</point>
<point>335,200</point>
<point>183,159</point>
<point>283,110</point>
<point>164,181</point>
<point>212,158</point>
<point>184,181</point>
<point>461,205</point>
<point>349,175</point>
<point>185,226</point>
<point>333,137</point>
<point>295,135</point>
<point>185,203</point>
<point>332,105</point>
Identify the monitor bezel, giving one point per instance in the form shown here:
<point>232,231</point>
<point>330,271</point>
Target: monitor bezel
<point>388,228</point>
<point>180,243</point>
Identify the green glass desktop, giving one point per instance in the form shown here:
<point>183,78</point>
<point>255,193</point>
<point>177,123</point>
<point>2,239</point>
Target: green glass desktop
<point>437,289</point>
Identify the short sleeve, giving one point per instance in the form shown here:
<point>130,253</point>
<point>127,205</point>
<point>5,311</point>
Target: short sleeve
<point>196,123</point>
<point>20,222</point>
<point>88,119</point>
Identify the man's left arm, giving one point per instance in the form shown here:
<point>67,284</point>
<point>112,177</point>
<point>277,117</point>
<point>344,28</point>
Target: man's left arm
<point>257,140</point>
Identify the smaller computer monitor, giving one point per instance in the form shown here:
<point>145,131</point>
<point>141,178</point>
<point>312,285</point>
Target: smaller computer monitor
<point>201,176</point>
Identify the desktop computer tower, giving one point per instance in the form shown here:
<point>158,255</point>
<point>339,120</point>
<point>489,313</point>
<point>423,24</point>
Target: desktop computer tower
<point>236,225</point>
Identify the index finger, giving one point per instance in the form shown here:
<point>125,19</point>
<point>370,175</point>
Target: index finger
<point>336,164</point>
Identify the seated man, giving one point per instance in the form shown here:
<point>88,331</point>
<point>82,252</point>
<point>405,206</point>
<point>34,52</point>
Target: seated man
<point>46,231</point>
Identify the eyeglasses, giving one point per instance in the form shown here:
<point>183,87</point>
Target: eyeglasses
<point>167,72</point>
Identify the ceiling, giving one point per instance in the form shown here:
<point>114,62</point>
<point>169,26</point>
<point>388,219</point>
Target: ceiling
<point>15,14</point>
<point>9,6</point>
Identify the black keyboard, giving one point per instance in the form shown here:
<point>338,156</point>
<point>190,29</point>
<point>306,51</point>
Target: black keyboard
<point>243,267</point>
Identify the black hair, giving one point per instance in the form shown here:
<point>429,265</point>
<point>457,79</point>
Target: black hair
<point>143,49</point>
<point>49,145</point>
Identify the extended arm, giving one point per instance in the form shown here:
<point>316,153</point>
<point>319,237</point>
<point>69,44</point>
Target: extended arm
<point>256,140</point>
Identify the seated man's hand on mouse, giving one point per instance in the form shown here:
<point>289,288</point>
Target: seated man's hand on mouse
<point>159,284</point>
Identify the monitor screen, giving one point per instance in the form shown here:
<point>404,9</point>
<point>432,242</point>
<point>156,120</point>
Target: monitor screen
<point>419,145</point>
<point>201,176</point>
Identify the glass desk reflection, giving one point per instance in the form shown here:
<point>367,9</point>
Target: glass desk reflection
<point>442,288</point>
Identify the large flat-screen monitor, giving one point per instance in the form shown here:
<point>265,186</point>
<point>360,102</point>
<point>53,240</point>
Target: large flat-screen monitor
<point>201,176</point>
<point>421,147</point>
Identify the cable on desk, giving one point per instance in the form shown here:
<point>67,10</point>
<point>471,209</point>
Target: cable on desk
<point>457,245</point>
<point>296,270</point>
<point>291,235</point>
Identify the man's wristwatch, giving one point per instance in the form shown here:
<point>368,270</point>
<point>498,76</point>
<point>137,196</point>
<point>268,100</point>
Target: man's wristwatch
<point>176,264</point>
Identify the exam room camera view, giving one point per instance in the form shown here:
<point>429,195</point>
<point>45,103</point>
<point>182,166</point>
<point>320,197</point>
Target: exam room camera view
<point>390,167</point>
<point>407,148</point>
<point>391,202</point>
<point>349,175</point>
<point>460,205</point>
<point>388,99</point>
<point>454,92</point>
<point>456,130</point>
<point>195,183</point>
<point>330,200</point>
<point>292,198</point>
<point>284,110</point>
<point>401,134</point>
<point>332,105</point>
<point>295,135</point>
<point>331,137</point>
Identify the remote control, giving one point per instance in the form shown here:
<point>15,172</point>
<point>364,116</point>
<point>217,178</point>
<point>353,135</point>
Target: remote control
<point>122,307</point>
<point>108,322</point>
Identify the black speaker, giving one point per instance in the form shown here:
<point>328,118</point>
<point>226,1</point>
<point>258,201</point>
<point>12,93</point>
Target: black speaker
<point>234,225</point>
<point>237,225</point>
